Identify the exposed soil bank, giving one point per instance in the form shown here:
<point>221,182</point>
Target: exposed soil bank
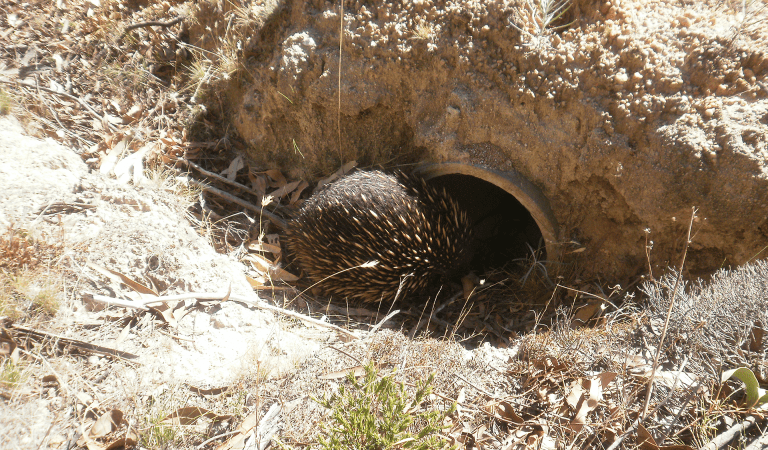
<point>624,119</point>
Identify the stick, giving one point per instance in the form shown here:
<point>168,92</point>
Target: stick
<point>760,443</point>
<point>218,436</point>
<point>220,178</point>
<point>666,320</point>
<point>151,23</point>
<point>360,363</point>
<point>62,341</point>
<point>267,426</point>
<point>378,325</point>
<point>208,296</point>
<point>723,439</point>
<point>639,420</point>
<point>238,201</point>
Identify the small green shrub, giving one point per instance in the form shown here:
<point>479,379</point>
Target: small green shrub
<point>5,103</point>
<point>11,374</point>
<point>376,414</point>
<point>156,434</point>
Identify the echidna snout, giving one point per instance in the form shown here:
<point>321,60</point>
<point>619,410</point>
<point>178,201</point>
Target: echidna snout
<point>418,235</point>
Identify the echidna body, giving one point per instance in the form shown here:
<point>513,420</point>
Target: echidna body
<point>416,233</point>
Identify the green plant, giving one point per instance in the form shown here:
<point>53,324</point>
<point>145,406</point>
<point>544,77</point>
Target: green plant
<point>5,103</point>
<point>40,289</point>
<point>8,304</point>
<point>11,374</point>
<point>156,433</point>
<point>376,413</point>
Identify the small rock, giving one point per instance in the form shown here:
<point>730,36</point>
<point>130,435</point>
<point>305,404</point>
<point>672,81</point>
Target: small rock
<point>684,21</point>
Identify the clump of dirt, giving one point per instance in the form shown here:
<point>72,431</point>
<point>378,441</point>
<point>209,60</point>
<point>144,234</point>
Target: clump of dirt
<point>626,116</point>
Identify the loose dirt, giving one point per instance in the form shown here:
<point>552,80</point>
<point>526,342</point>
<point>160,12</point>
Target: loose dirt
<point>626,116</point>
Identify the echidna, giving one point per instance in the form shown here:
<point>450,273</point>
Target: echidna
<point>418,235</point>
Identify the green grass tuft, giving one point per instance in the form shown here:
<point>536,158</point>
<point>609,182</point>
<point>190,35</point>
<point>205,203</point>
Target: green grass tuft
<point>377,413</point>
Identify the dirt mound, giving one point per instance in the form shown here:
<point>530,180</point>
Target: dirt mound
<point>625,117</point>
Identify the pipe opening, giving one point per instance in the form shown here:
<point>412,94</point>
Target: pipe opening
<point>510,216</point>
<point>503,228</point>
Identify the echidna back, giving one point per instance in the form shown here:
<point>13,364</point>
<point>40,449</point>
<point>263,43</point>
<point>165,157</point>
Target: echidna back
<point>418,235</point>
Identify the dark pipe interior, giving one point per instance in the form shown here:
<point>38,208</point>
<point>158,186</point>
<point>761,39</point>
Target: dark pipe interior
<point>503,228</point>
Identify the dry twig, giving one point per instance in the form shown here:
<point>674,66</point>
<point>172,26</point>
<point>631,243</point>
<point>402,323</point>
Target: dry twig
<point>208,296</point>
<point>666,320</point>
<point>151,23</point>
<point>238,201</point>
<point>730,434</point>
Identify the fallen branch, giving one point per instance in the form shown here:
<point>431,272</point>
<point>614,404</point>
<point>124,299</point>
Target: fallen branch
<point>151,23</point>
<point>61,341</point>
<point>220,178</point>
<point>143,305</point>
<point>730,434</point>
<point>761,443</point>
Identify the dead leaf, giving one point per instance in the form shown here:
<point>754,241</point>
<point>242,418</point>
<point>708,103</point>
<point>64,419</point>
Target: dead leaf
<point>259,263</point>
<point>109,160</point>
<point>586,396</point>
<point>258,183</point>
<point>264,266</point>
<point>128,441</point>
<point>276,178</point>
<point>7,345</point>
<point>297,193</point>
<point>264,247</point>
<point>254,282</point>
<point>284,190</point>
<point>136,286</point>
<point>112,119</point>
<point>107,423</point>
<point>179,313</point>
<point>576,394</point>
<point>504,411</point>
<point>208,391</point>
<point>468,284</point>
<point>123,335</point>
<point>237,442</point>
<point>231,171</point>
<point>339,173</point>
<point>84,398</point>
<point>189,415</point>
<point>133,114</point>
<point>594,308</point>
<point>93,445</point>
<point>166,312</point>
<point>249,423</point>
<point>278,274</point>
<point>132,166</point>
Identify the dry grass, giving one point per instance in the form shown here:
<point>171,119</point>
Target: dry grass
<point>713,321</point>
<point>28,287</point>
